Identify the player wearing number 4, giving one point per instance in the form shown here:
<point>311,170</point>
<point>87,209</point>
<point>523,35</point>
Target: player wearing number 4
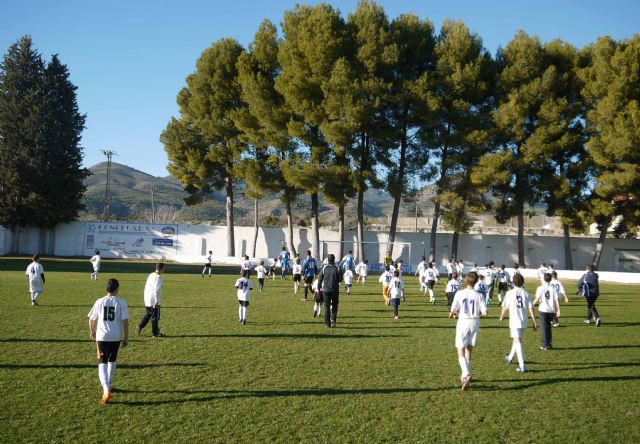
<point>108,325</point>
<point>468,305</point>
<point>244,287</point>
<point>518,303</point>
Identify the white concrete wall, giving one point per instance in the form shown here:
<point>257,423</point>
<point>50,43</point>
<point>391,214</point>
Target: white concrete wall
<point>193,241</point>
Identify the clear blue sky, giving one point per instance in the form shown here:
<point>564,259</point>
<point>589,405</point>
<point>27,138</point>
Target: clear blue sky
<point>129,59</point>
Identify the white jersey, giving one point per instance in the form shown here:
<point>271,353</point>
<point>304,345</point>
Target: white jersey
<point>518,302</point>
<point>109,311</point>
<point>261,271</point>
<point>422,267</point>
<point>489,276</point>
<point>95,261</point>
<point>430,274</point>
<point>35,270</point>
<point>395,287</point>
<point>297,269</point>
<point>452,286</point>
<point>450,268</point>
<point>348,277</point>
<point>469,304</point>
<point>503,276</point>
<point>362,269</point>
<point>153,289</point>
<point>481,288</point>
<point>459,268</point>
<point>558,287</point>
<point>541,272</point>
<point>209,258</point>
<point>246,265</point>
<point>385,277</point>
<point>244,286</point>
<point>547,297</point>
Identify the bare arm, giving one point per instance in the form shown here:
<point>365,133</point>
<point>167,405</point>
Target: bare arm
<point>502,313</point>
<point>533,318</point>
<point>92,329</point>
<point>125,328</point>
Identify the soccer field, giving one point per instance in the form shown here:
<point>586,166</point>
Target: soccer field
<point>283,377</point>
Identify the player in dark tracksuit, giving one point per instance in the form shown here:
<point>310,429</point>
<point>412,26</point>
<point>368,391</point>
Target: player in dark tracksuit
<point>329,283</point>
<point>589,287</point>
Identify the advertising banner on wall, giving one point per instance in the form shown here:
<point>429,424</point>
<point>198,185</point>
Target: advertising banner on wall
<point>115,239</point>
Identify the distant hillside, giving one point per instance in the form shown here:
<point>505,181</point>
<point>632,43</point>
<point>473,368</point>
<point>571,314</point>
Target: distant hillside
<point>130,199</point>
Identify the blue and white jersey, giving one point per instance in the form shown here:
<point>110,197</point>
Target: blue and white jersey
<point>310,266</point>
<point>452,286</point>
<point>284,258</point>
<point>481,288</point>
<point>347,262</point>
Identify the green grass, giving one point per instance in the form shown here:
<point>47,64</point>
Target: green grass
<point>285,378</point>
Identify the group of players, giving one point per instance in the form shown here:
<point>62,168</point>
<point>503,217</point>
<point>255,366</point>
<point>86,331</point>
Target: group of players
<point>108,319</point>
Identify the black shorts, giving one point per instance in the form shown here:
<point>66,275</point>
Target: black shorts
<point>108,351</point>
<point>261,281</point>
<point>430,284</point>
<point>297,277</point>
<point>318,297</point>
<point>502,286</point>
<point>243,303</point>
<point>308,280</point>
<point>207,265</point>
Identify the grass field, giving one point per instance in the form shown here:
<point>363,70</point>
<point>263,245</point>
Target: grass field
<point>283,377</point>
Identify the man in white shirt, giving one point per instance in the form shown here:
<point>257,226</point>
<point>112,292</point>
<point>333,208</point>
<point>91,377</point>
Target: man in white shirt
<point>108,325</point>
<point>468,306</point>
<point>152,293</point>
<point>518,303</point>
<point>95,262</point>
<point>547,297</point>
<point>35,276</point>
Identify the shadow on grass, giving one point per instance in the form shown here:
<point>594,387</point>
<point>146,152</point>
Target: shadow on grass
<point>533,383</point>
<point>591,365</point>
<point>45,340</point>
<point>81,366</point>
<point>592,347</point>
<point>328,335</point>
<point>213,395</point>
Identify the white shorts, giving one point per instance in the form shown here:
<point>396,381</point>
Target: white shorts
<point>516,333</point>
<point>466,333</point>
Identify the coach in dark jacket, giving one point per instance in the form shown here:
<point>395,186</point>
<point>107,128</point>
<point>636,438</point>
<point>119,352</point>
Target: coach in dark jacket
<point>589,287</point>
<point>329,283</point>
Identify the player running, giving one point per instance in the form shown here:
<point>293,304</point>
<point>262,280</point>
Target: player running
<point>244,286</point>
<point>207,264</point>
<point>518,303</point>
<point>283,257</point>
<point>95,262</point>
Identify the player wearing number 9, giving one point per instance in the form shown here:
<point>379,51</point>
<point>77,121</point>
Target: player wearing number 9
<point>108,325</point>
<point>518,303</point>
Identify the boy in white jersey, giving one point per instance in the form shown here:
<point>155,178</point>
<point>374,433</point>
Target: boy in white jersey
<point>555,283</point>
<point>452,288</point>
<point>348,280</point>
<point>246,265</point>
<point>542,270</point>
<point>489,280</point>
<point>399,269</point>
<point>547,297</point>
<point>297,274</point>
<point>35,276</point>
<point>108,326</point>
<point>395,291</point>
<point>420,270</point>
<point>504,280</point>
<point>207,264</point>
<point>95,262</point>
<point>362,270</point>
<point>318,300</point>
<point>385,279</point>
<point>481,288</point>
<point>261,272</point>
<point>468,305</point>
<point>244,286</point>
<point>430,278</point>
<point>518,303</point>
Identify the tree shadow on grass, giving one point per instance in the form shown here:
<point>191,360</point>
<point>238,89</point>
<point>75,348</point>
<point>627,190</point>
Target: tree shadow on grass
<point>592,347</point>
<point>83,366</point>
<point>328,335</point>
<point>590,366</point>
<point>45,340</point>
<point>212,395</point>
<point>534,383</point>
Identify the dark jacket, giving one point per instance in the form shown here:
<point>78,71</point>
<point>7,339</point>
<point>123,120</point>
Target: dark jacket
<point>330,278</point>
<point>588,284</point>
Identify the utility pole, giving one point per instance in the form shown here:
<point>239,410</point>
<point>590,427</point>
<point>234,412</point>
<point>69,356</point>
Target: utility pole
<point>109,154</point>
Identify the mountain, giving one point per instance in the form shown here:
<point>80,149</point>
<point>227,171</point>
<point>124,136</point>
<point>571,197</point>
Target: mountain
<point>130,199</point>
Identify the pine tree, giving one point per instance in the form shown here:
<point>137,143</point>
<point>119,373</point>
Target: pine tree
<point>41,178</point>
<point>207,105</point>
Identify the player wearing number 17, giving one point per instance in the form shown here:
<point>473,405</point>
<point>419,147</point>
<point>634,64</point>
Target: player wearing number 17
<point>468,305</point>
<point>108,325</point>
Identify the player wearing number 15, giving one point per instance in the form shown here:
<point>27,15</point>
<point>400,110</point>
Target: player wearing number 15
<point>518,303</point>
<point>468,305</point>
<point>108,325</point>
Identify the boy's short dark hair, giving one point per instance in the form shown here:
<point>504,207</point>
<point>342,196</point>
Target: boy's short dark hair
<point>471,279</point>
<point>244,273</point>
<point>331,258</point>
<point>112,285</point>
<point>554,274</point>
<point>518,280</point>
<point>396,273</point>
<point>547,277</point>
<point>261,262</point>
<point>36,257</point>
<point>160,266</point>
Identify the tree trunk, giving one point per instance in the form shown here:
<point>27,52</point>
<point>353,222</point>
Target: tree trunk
<point>360,247</point>
<point>341,229</point>
<point>315,226</point>
<point>398,187</point>
<point>454,245</point>
<point>521,236</point>
<point>255,227</point>
<point>597,254</point>
<point>231,247</point>
<point>434,231</point>
<point>568,260</point>
<point>289,233</point>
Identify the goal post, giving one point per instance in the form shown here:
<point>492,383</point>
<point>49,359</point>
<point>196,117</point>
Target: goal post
<point>375,252</point>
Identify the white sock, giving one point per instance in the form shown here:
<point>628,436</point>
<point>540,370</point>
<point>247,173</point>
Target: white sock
<point>430,294</point>
<point>111,372</point>
<point>240,312</point>
<point>103,376</point>
<point>463,366</point>
<point>469,367</point>
<point>512,352</point>
<point>244,312</point>
<point>520,354</point>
